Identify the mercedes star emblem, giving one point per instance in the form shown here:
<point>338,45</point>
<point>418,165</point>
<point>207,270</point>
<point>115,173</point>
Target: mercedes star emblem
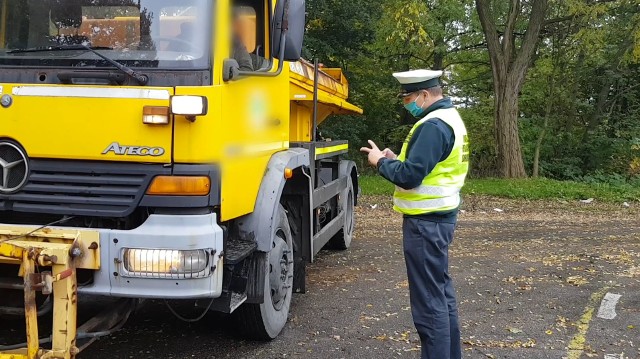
<point>6,101</point>
<point>14,168</point>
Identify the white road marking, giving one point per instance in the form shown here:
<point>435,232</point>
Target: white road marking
<point>608,306</point>
<point>614,356</point>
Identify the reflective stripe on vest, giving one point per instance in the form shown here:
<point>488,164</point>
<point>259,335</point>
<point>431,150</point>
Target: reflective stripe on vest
<point>428,204</point>
<point>440,189</point>
<point>430,190</point>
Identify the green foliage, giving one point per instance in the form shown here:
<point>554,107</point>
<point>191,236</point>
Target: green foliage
<point>479,122</point>
<point>529,189</point>
<point>584,80</point>
<point>532,189</point>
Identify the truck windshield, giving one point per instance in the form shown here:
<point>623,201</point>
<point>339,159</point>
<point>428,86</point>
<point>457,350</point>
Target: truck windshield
<point>163,34</point>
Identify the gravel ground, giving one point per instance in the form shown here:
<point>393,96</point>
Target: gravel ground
<point>530,278</point>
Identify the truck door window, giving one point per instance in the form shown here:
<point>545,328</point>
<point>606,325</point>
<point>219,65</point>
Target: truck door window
<point>249,20</point>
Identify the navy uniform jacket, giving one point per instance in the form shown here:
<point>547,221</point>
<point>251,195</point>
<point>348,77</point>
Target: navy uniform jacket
<point>431,143</point>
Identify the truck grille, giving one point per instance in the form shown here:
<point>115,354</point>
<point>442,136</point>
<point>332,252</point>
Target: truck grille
<point>82,188</point>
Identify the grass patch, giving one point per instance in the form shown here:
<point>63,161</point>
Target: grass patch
<point>524,189</point>
<point>375,185</point>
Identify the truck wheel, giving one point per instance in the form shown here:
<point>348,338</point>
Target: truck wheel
<point>342,239</point>
<point>265,321</point>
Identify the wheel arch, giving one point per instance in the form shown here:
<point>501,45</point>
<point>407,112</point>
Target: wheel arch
<point>349,168</point>
<point>256,226</point>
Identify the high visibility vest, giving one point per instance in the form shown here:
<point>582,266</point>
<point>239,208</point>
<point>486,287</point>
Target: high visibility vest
<point>440,189</point>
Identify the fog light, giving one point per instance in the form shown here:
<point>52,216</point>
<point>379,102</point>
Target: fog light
<point>166,263</point>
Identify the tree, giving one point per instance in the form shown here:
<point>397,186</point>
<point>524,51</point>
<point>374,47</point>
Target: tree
<point>562,97</point>
<point>509,65</point>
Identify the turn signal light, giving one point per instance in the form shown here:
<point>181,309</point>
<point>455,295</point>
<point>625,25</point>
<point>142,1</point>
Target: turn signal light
<point>155,115</point>
<point>180,186</point>
<point>288,173</point>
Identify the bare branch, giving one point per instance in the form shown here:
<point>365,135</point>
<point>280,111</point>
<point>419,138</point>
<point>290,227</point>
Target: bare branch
<point>480,63</point>
<point>482,45</point>
<point>557,20</point>
<point>470,32</point>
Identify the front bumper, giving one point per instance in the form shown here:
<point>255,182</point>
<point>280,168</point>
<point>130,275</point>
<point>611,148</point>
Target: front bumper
<point>171,232</point>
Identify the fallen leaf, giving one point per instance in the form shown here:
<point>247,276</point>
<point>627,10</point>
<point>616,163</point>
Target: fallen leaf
<point>577,280</point>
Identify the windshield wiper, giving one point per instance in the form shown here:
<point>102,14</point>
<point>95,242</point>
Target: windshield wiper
<point>140,78</point>
<point>58,48</point>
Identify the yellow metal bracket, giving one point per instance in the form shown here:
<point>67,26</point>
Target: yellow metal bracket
<point>85,242</point>
<point>63,251</point>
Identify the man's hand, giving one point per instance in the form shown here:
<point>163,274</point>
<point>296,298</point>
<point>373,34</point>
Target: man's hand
<point>389,154</point>
<point>374,153</point>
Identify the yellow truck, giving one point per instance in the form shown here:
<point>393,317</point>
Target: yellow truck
<point>163,149</point>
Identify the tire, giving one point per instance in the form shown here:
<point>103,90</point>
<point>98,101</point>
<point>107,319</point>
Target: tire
<point>342,239</point>
<point>265,321</point>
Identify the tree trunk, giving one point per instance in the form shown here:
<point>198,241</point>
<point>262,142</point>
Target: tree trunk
<point>508,149</point>
<point>603,97</point>
<point>536,154</point>
<point>438,60</point>
<point>545,124</point>
<point>509,66</point>
<point>438,54</point>
<point>574,117</point>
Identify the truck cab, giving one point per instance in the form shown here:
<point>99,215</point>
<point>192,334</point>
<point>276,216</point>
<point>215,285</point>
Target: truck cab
<point>174,144</point>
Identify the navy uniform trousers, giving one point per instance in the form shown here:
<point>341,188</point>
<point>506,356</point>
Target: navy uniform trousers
<point>433,299</point>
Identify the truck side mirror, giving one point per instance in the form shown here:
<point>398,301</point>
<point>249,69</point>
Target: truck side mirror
<point>289,17</point>
<point>230,69</point>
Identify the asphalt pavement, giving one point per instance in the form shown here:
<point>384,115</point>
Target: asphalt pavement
<point>541,279</point>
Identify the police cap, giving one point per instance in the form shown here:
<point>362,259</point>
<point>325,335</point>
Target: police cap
<point>416,80</point>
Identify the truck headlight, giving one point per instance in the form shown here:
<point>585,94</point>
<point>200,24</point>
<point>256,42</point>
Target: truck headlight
<point>166,263</point>
<point>189,105</point>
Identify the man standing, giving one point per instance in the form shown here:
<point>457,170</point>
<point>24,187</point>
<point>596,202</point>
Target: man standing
<point>428,174</point>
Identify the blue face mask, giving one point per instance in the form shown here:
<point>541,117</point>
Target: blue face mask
<point>414,109</point>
